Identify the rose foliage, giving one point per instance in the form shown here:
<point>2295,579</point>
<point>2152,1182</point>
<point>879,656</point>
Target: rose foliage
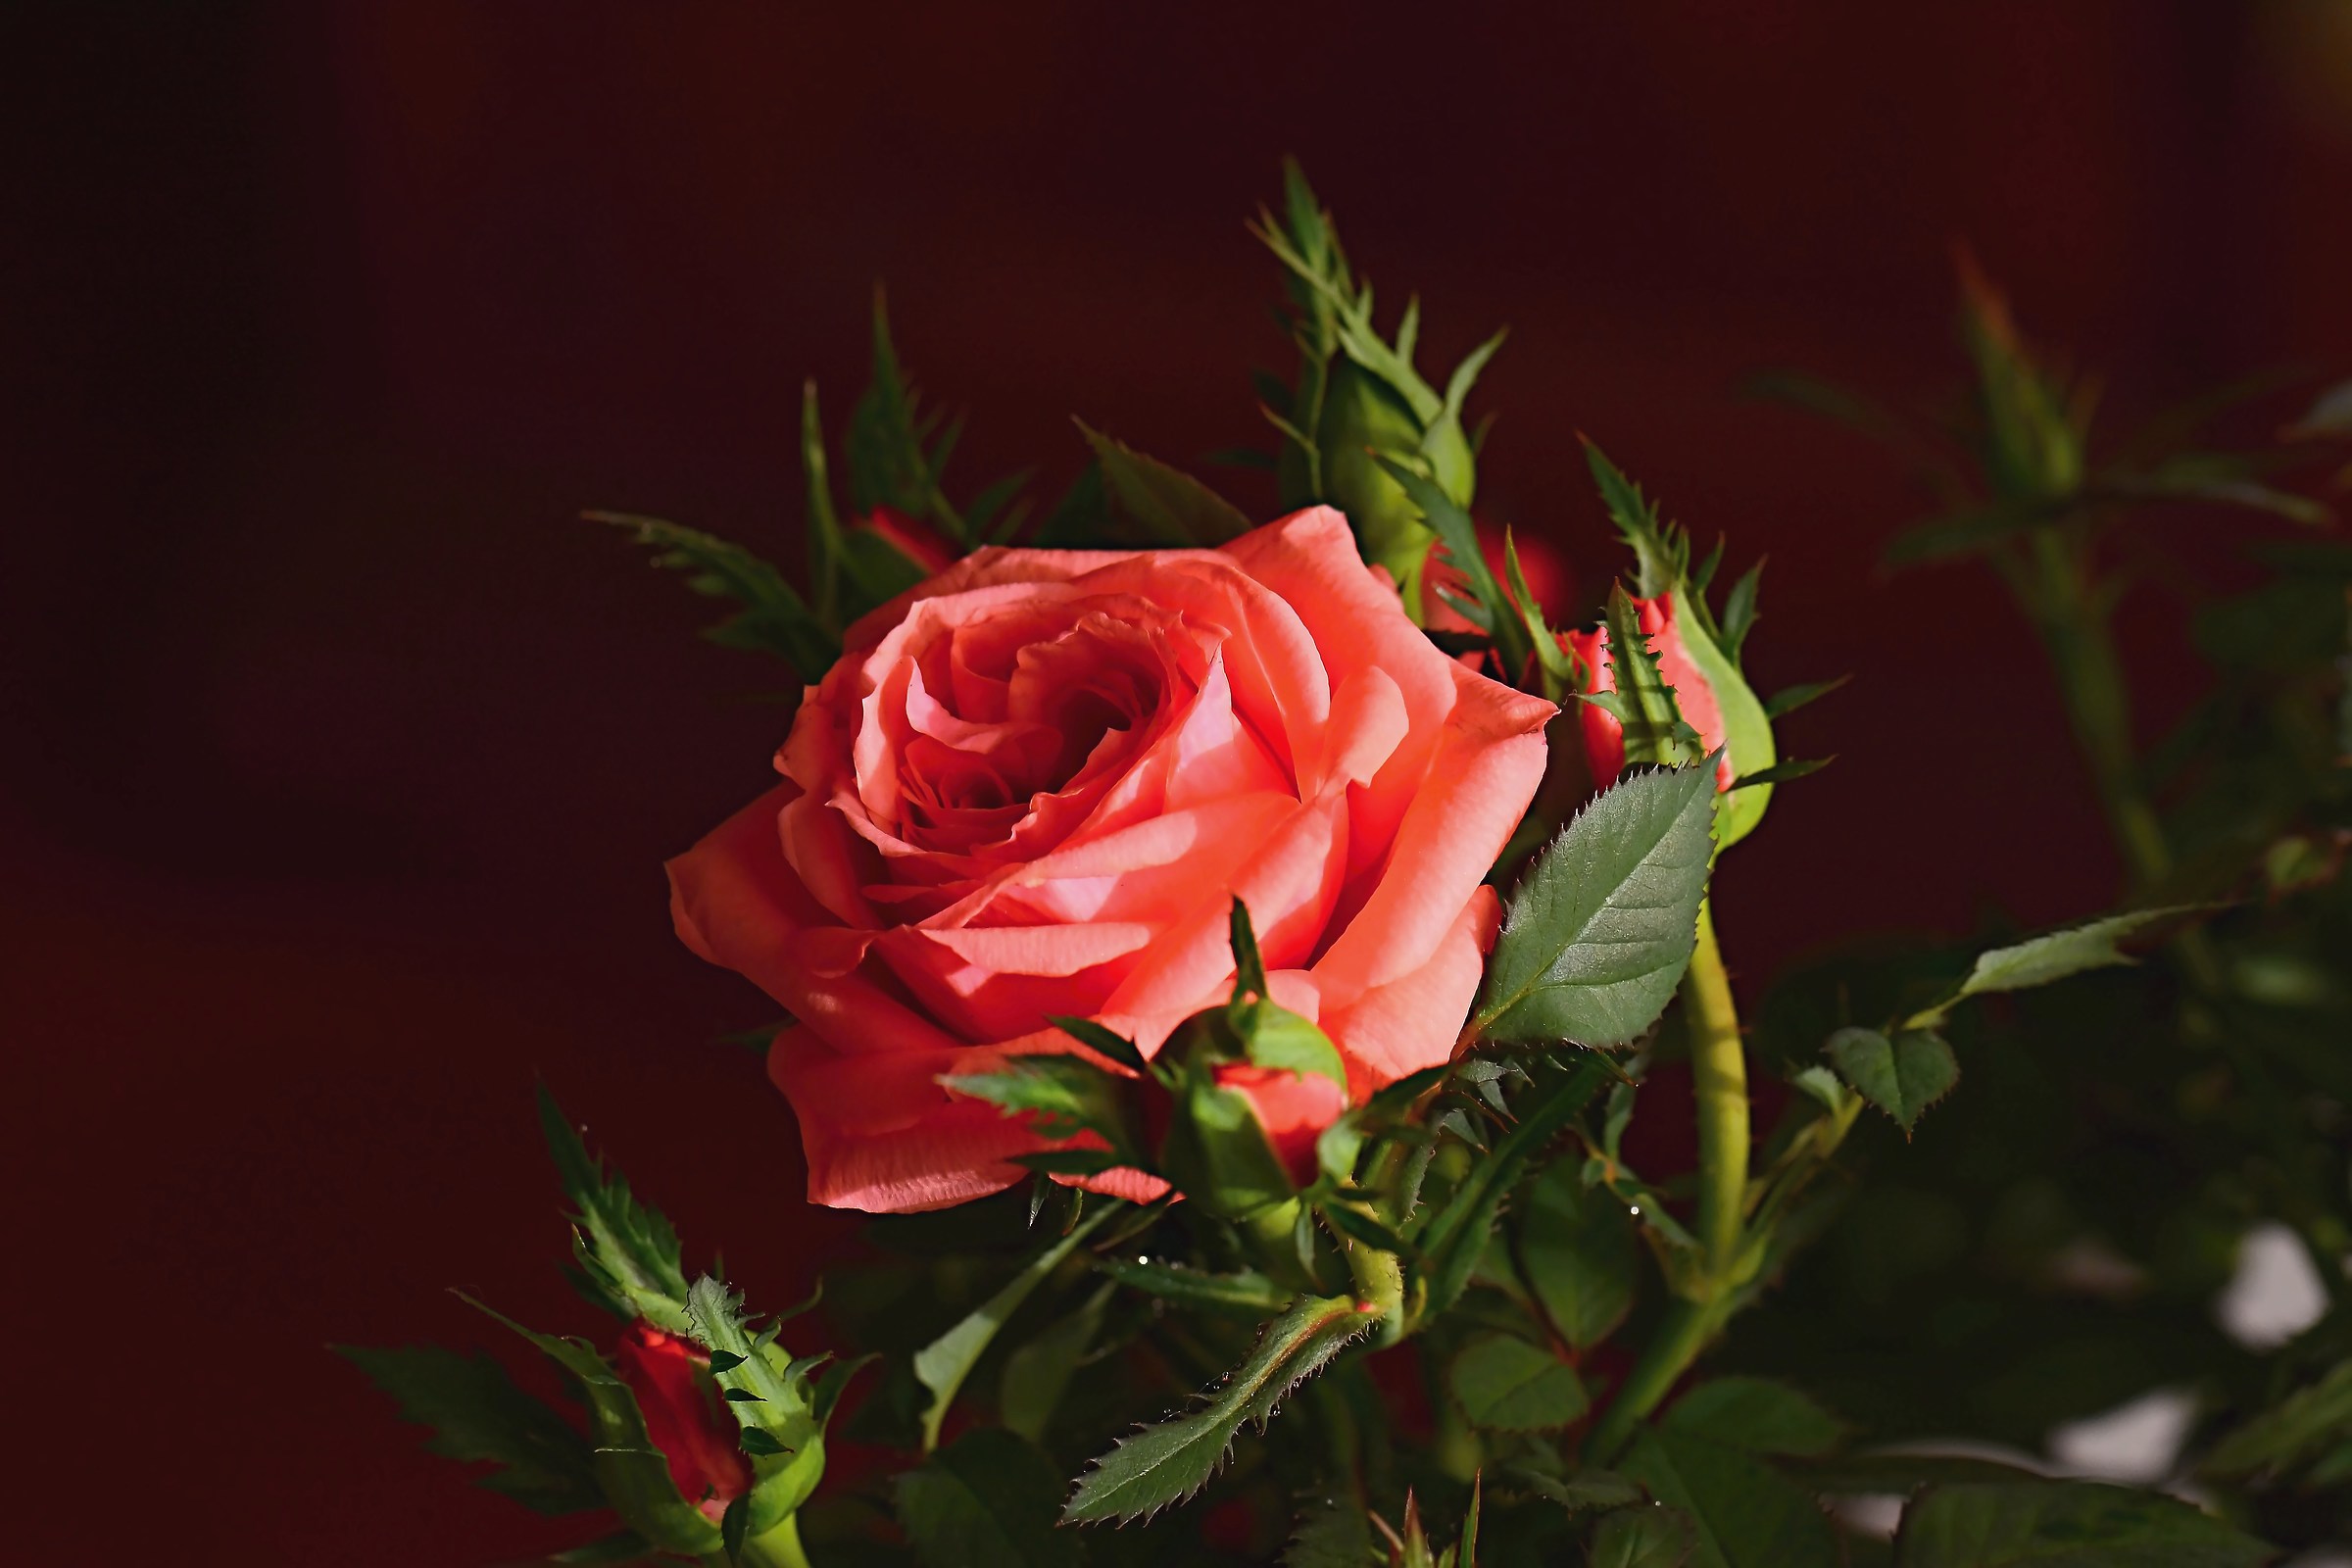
<point>1263,977</point>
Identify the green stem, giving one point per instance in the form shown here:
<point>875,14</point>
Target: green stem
<point>1682,1333</point>
<point>2068,607</point>
<point>2057,584</point>
<point>1719,1077</point>
<point>779,1547</point>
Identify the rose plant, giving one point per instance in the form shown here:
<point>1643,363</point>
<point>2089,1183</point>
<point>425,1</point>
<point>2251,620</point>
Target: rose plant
<point>1227,958</point>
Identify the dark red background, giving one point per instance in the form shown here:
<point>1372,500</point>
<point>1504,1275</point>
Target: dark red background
<point>343,759</point>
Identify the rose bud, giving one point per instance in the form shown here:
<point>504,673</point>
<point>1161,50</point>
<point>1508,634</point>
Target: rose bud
<point>1693,693</point>
<point>918,542</point>
<point>1254,1086</point>
<point>1292,1108</point>
<point>671,1380</point>
<point>1362,417</point>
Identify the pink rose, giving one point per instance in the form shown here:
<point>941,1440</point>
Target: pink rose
<point>1034,785</point>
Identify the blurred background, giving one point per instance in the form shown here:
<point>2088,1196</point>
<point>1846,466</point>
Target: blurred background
<point>342,757</point>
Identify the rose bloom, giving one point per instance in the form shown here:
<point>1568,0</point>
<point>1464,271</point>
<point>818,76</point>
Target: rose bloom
<point>1034,785</point>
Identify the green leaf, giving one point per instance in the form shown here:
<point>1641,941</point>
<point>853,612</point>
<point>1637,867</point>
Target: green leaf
<point>1037,1374</point>
<point>1456,1236</point>
<point>1748,1514</point>
<point>1357,1225</point>
<point>1782,772</point>
<point>1504,1383</point>
<point>1739,610</point>
<point>1172,506</point>
<point>2032,421</point>
<point>823,525</point>
<point>942,1365</point>
<point>2219,477</point>
<point>1100,1039</point>
<point>878,568</point>
<point>1975,528</point>
<point>986,1501</point>
<point>1758,1414</point>
<point>1790,699</point>
<point>1586,1491</point>
<point>774,619</point>
<point>1163,1464</point>
<point>1903,1076</point>
<point>2066,1525</point>
<point>1494,614</point>
<point>479,1415</point>
<point>631,1474</point>
<point>1334,1533</point>
<point>1577,1251</point>
<point>768,1391</point>
<point>1063,1095</point>
<point>1559,669</point>
<point>1249,968</point>
<point>2313,1423</point>
<point>1655,1536</point>
<point>892,461</point>
<point>1898,1474</point>
<point>1661,551</point>
<point>1604,923</point>
<point>627,1251</point>
<point>2060,954</point>
<point>734,1526</point>
<point>1274,1037</point>
<point>1245,1297</point>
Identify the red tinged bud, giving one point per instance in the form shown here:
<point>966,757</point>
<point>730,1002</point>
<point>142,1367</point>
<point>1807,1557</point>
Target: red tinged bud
<point>1604,737</point>
<point>1292,1108</point>
<point>685,1417</point>
<point>918,542</point>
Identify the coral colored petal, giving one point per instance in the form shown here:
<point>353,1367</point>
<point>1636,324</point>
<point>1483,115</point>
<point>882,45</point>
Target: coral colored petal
<point>736,902</point>
<point>1489,760</point>
<point>1413,1021</point>
<point>881,1134</point>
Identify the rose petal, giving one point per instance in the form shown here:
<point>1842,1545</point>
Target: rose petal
<point>879,1132</point>
<point>1485,770</point>
<point>735,902</point>
<point>1413,1021</point>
